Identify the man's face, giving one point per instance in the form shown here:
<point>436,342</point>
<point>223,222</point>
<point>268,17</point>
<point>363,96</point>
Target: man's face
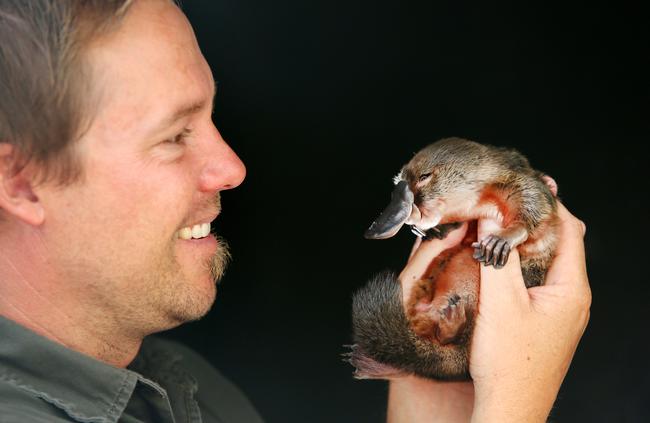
<point>154,164</point>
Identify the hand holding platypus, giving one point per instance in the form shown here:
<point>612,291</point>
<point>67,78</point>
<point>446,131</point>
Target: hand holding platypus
<point>523,339</point>
<point>426,328</point>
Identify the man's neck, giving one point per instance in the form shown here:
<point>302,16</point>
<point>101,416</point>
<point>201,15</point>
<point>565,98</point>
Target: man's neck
<point>77,338</point>
<point>35,299</point>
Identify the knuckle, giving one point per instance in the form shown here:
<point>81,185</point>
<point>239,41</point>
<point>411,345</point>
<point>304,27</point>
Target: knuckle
<point>576,226</point>
<point>587,316</point>
<point>585,300</point>
<point>573,221</point>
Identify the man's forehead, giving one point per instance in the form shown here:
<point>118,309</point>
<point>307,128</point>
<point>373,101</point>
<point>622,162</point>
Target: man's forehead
<point>147,74</point>
<point>187,108</point>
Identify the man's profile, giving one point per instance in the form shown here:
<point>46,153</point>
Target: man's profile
<point>111,173</point>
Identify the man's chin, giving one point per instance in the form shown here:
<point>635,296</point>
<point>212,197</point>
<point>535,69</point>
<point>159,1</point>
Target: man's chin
<point>219,260</point>
<point>195,305</point>
<point>194,297</point>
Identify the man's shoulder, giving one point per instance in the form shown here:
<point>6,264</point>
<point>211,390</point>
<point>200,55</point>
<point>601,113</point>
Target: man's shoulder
<point>22,404</point>
<point>189,356</point>
<point>191,361</point>
<point>216,393</point>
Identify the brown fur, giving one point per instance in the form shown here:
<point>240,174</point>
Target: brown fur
<point>428,308</point>
<point>474,181</point>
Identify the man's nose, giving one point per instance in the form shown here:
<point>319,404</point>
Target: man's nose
<point>222,168</point>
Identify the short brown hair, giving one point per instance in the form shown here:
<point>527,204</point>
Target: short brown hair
<point>45,101</point>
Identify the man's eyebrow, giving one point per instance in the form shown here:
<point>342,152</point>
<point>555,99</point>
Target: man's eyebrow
<point>189,109</point>
<point>183,112</point>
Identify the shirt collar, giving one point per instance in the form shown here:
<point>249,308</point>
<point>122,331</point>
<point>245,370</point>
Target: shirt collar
<point>86,389</point>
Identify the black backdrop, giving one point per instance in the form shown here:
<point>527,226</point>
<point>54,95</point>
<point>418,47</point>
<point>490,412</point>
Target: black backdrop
<point>324,100</point>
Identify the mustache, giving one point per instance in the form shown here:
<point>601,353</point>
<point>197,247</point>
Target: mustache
<point>209,206</point>
<point>216,202</point>
<point>211,203</point>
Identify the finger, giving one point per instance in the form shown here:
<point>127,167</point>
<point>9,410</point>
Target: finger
<point>422,257</point>
<point>569,264</point>
<point>455,236</point>
<point>427,251</point>
<point>565,215</point>
<point>503,283</point>
<point>416,245</point>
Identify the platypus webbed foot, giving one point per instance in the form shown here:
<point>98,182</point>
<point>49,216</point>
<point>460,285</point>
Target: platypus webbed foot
<point>452,320</point>
<point>492,250</point>
<point>445,321</point>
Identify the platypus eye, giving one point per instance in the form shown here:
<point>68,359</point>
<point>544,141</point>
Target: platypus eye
<point>424,176</point>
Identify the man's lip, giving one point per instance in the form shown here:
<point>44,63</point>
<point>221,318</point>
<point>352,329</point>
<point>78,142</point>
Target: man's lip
<point>207,219</point>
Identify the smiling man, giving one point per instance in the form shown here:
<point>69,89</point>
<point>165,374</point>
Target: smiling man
<point>110,174</point>
<point>110,171</point>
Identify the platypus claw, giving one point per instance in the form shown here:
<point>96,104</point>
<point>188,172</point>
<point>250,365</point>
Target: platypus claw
<point>452,320</point>
<point>492,250</point>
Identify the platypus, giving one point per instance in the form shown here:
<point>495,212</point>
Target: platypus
<point>426,330</point>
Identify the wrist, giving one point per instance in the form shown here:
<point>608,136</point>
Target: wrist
<point>412,399</point>
<point>515,404</point>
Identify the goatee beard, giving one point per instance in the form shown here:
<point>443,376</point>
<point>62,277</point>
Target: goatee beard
<point>220,260</point>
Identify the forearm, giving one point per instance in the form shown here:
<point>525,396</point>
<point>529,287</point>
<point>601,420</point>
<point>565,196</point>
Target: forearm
<point>415,400</point>
<point>524,398</point>
<point>500,406</point>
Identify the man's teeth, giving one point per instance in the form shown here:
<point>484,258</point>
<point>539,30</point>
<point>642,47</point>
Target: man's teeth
<point>197,231</point>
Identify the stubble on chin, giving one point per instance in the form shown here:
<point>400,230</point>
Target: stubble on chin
<point>220,260</point>
<point>185,302</point>
<point>201,304</point>
<point>182,301</point>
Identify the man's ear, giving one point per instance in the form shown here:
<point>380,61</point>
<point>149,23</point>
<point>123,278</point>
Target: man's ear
<point>17,197</point>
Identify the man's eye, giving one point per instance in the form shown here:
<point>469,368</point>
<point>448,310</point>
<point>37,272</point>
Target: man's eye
<point>424,176</point>
<point>180,137</point>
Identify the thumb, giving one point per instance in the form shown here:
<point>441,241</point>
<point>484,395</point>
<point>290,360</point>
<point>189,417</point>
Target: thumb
<point>424,252</point>
<point>569,265</point>
<point>502,284</point>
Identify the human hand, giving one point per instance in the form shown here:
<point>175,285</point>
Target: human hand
<point>524,339</point>
<point>422,255</point>
<point>412,399</point>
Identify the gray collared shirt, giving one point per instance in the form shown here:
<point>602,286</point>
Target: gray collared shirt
<point>42,381</point>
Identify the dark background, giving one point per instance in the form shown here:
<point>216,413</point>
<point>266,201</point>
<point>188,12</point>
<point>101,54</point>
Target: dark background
<point>324,100</point>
